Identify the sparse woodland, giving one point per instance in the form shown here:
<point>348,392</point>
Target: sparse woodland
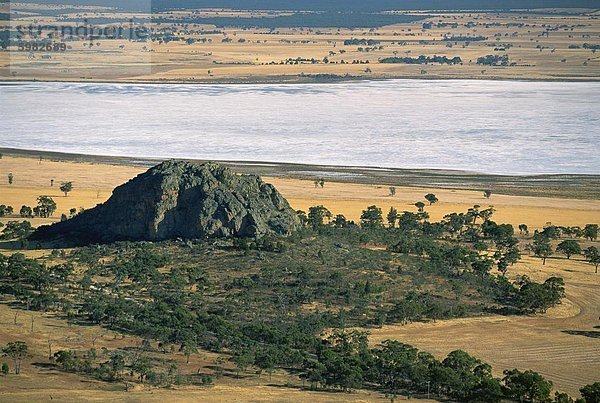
<point>291,303</point>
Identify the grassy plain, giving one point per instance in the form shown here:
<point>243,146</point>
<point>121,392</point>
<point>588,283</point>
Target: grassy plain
<point>561,344</point>
<point>93,184</point>
<point>541,44</point>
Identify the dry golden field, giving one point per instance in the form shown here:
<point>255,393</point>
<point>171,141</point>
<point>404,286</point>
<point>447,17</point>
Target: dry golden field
<point>545,46</point>
<point>561,344</point>
<point>93,184</point>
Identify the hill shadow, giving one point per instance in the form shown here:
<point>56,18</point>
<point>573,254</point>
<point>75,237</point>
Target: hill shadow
<point>595,334</point>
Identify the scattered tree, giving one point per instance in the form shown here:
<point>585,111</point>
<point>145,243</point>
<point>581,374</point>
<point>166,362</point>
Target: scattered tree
<point>523,229</point>
<point>317,215</point>
<point>431,198</point>
<point>591,231</point>
<point>392,191</point>
<point>392,217</point>
<point>5,210</point>
<point>593,256</point>
<point>243,361</point>
<point>66,187</point>
<point>487,193</point>
<point>26,212</point>
<point>11,178</point>
<point>420,206</point>
<point>188,348</point>
<point>45,208</point>
<point>17,350</point>
<point>568,248</point>
<point>542,247</point>
<point>371,217</point>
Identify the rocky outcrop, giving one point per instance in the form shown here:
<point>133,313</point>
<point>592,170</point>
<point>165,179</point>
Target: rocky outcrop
<point>179,199</point>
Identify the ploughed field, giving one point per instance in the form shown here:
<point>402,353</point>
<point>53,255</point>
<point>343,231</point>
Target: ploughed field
<point>561,344</point>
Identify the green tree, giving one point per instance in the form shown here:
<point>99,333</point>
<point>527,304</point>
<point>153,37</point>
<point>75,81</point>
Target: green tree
<point>341,357</point>
<point>551,232</point>
<point>533,297</point>
<point>454,222</point>
<point>188,348</point>
<point>568,248</point>
<point>302,217</point>
<point>523,229</point>
<point>431,198</point>
<point>45,208</point>
<point>66,187</point>
<point>420,206</point>
<point>463,373</point>
<point>527,386</point>
<point>562,398</point>
<point>265,360</point>
<point>314,372</point>
<point>591,393</point>
<point>243,360</point>
<point>17,350</point>
<point>26,212</point>
<point>593,256</point>
<point>5,210</point>
<point>340,221</point>
<point>5,369</point>
<point>143,366</point>
<point>371,217</point>
<point>392,217</point>
<point>487,214</point>
<point>17,230</point>
<point>542,247</point>
<point>393,365</point>
<point>482,266</point>
<point>591,231</point>
<point>67,360</point>
<point>318,215</point>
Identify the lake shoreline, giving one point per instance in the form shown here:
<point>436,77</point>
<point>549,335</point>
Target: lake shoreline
<point>568,186</point>
<point>274,80</point>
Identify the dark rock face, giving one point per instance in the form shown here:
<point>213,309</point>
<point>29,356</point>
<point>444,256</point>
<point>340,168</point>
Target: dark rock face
<point>179,199</point>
